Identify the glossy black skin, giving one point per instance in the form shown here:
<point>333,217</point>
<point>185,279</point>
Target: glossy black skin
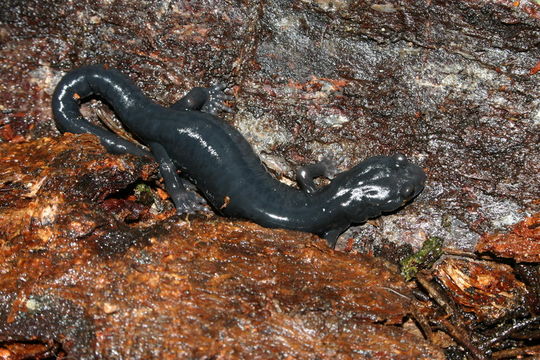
<point>219,161</point>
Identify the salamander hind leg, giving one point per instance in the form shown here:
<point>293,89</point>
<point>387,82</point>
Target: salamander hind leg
<point>208,100</point>
<point>331,236</point>
<point>184,200</point>
<point>305,174</point>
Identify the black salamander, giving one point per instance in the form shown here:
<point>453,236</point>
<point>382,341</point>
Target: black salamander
<point>218,160</point>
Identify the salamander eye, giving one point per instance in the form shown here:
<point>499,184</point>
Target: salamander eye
<point>407,191</point>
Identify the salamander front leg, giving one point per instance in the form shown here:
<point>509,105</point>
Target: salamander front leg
<point>306,174</point>
<point>185,201</point>
<point>208,100</point>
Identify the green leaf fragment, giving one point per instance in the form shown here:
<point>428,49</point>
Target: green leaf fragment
<point>143,194</point>
<point>424,258</point>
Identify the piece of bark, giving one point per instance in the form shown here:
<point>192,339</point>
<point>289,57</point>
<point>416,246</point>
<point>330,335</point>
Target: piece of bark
<point>488,289</point>
<point>521,244</point>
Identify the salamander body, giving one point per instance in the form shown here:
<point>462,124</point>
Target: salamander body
<point>218,160</point>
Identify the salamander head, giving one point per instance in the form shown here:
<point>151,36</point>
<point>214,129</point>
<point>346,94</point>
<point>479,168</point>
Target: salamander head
<point>378,185</point>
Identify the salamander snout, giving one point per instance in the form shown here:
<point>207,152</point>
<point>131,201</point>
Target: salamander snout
<point>378,185</point>
<point>410,178</point>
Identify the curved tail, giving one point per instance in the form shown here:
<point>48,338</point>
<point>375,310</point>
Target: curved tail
<point>110,85</point>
